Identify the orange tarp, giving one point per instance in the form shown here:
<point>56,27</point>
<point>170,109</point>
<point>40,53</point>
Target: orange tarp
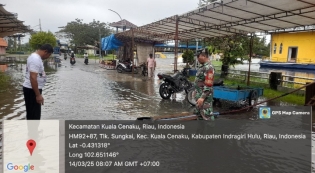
<point>3,68</point>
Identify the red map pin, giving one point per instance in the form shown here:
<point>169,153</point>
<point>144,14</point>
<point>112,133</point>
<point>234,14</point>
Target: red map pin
<point>31,144</point>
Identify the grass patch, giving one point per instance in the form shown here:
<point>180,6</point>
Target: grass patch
<point>4,81</point>
<point>268,93</point>
<point>216,63</point>
<point>291,98</point>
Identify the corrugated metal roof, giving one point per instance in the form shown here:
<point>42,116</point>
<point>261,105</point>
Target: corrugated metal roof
<point>230,17</point>
<point>9,24</point>
<point>123,22</point>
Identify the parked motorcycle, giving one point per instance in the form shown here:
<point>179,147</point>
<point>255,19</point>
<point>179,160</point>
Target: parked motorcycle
<point>144,71</point>
<point>174,84</point>
<point>72,60</point>
<point>65,56</point>
<point>192,93</point>
<point>126,67</point>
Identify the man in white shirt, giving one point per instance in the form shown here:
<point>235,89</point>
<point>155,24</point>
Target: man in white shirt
<point>35,79</point>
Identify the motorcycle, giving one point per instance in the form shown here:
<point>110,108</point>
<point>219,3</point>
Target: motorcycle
<point>174,84</point>
<point>126,67</point>
<point>65,56</point>
<point>72,61</point>
<point>192,93</point>
<point>86,60</point>
<point>144,69</point>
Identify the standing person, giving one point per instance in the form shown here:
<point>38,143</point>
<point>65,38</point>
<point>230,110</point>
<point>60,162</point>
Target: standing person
<point>151,64</point>
<point>72,54</point>
<point>35,79</point>
<point>204,88</point>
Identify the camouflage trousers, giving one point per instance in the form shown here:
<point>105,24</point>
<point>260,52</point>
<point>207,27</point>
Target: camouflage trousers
<point>207,107</point>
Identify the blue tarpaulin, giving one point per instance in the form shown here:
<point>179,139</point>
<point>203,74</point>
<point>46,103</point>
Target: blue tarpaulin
<point>56,50</point>
<point>111,43</point>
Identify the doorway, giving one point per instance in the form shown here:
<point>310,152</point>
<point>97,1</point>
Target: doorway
<point>292,55</point>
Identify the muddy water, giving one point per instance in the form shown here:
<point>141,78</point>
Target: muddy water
<point>90,92</point>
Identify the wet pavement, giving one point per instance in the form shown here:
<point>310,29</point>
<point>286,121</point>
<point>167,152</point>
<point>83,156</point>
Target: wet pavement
<point>88,92</point>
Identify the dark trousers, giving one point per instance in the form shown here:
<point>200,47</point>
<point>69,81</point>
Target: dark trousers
<point>33,109</point>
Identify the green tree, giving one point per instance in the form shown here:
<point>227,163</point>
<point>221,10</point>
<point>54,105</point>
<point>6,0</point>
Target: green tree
<point>10,43</point>
<point>259,47</point>
<point>232,48</point>
<point>81,34</point>
<point>25,47</point>
<point>41,38</point>
<point>188,57</point>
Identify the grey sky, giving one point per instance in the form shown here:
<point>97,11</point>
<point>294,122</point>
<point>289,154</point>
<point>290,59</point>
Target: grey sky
<point>56,13</point>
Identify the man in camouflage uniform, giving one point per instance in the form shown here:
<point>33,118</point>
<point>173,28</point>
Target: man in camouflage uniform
<point>204,88</point>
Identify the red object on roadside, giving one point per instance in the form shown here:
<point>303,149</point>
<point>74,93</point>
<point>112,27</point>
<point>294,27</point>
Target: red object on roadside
<point>160,76</point>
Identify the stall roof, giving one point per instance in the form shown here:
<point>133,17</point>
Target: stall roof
<point>9,24</point>
<point>230,17</point>
<point>179,46</point>
<point>122,23</point>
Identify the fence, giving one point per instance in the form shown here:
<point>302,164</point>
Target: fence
<point>263,77</point>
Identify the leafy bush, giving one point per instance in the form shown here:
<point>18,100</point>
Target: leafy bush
<point>41,38</point>
<point>188,56</point>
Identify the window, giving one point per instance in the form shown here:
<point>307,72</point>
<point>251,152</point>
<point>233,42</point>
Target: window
<point>280,49</point>
<point>275,48</point>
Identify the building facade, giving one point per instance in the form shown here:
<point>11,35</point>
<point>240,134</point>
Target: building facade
<point>296,47</point>
<point>3,46</point>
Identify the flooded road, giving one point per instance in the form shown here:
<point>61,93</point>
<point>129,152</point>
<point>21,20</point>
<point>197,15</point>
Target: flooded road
<point>88,92</point>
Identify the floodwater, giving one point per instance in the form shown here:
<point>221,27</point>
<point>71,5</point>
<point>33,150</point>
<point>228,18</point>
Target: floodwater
<point>88,92</point>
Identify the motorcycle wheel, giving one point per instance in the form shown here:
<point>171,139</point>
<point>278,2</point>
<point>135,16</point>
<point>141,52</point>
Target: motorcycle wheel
<point>187,86</point>
<point>144,72</point>
<point>191,97</point>
<point>165,93</point>
<point>135,70</point>
<point>119,69</point>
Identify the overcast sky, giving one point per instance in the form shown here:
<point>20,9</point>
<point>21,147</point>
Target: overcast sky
<point>57,13</point>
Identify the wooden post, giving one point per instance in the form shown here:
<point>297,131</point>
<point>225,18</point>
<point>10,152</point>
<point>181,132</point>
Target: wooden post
<point>250,58</point>
<point>176,44</point>
<point>309,92</point>
<point>186,51</point>
<point>132,45</point>
<point>186,45</point>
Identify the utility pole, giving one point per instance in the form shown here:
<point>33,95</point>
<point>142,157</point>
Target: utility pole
<point>122,22</point>
<point>196,61</point>
<point>40,26</point>
<point>99,31</point>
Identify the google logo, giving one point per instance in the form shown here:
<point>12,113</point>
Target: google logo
<point>25,168</point>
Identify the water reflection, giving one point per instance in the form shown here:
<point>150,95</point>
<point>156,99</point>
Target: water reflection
<point>292,72</point>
